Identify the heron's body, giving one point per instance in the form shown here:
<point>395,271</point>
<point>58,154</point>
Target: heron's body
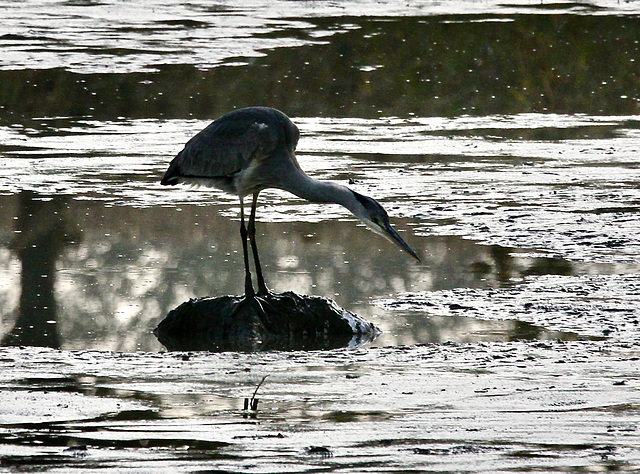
<point>247,151</point>
<point>242,152</point>
<point>252,149</point>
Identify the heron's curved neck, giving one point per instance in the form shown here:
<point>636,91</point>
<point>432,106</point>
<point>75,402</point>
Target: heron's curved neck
<point>313,190</point>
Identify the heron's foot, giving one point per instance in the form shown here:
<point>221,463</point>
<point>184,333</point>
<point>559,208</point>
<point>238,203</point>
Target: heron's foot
<point>251,299</point>
<point>257,303</point>
<point>263,290</point>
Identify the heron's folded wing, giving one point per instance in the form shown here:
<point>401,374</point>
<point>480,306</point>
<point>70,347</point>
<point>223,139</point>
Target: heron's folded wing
<point>222,149</point>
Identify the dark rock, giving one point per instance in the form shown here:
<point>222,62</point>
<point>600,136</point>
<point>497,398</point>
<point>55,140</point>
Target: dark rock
<point>319,451</point>
<point>276,321</point>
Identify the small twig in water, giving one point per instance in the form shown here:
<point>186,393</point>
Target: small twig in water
<point>253,403</point>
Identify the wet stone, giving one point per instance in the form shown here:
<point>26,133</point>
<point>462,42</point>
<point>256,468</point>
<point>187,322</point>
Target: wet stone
<point>276,321</point>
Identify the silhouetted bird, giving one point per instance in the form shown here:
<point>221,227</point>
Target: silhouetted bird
<point>251,149</point>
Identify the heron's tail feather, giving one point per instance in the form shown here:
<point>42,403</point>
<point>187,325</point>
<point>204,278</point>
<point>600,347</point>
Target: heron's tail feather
<point>172,175</point>
<point>169,180</point>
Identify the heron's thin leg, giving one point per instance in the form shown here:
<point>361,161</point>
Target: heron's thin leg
<point>248,287</point>
<point>262,288</point>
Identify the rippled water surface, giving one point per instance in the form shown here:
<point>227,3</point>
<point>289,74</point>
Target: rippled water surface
<point>503,139</point>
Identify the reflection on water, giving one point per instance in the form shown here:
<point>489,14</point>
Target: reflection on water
<point>434,106</point>
<point>40,236</point>
<point>423,66</point>
<point>79,273</point>
<point>96,276</point>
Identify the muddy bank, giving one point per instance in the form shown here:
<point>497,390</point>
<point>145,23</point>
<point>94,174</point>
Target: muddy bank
<point>499,407</point>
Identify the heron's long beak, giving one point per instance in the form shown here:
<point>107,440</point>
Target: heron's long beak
<point>390,234</point>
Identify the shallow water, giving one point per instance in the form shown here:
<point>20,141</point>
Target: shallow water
<point>503,141</point>
<point>109,272</point>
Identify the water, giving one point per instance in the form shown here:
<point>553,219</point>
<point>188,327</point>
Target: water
<point>108,273</point>
<point>503,141</point>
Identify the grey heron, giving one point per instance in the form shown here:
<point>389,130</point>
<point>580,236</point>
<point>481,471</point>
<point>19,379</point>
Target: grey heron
<point>251,149</point>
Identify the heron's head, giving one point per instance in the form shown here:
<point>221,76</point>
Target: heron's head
<point>375,218</point>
